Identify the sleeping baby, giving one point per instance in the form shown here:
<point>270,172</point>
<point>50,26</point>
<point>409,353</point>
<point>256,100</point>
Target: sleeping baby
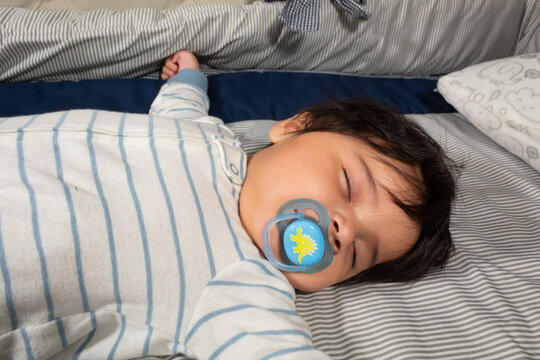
<point>128,235</point>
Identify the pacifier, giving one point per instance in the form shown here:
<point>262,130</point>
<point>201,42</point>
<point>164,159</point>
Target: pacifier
<point>302,244</point>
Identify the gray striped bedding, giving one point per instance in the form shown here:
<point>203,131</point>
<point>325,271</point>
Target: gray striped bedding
<point>406,38</point>
<point>485,305</point>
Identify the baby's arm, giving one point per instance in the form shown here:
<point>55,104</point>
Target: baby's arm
<point>248,312</point>
<point>184,94</point>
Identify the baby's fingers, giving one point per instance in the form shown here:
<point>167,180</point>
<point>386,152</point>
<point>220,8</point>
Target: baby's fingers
<point>169,69</point>
<point>166,73</point>
<point>171,64</point>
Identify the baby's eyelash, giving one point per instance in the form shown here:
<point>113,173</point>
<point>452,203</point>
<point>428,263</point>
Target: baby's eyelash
<point>348,184</point>
<point>354,257</point>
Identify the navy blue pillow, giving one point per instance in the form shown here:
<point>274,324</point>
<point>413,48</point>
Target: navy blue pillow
<point>233,96</point>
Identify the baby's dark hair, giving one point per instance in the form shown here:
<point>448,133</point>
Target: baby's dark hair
<point>395,136</point>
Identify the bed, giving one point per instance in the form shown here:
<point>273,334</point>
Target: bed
<point>474,88</point>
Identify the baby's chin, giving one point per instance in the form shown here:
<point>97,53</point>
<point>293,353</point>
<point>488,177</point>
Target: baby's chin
<point>308,282</point>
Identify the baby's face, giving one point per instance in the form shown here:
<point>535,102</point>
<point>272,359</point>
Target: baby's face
<point>349,179</point>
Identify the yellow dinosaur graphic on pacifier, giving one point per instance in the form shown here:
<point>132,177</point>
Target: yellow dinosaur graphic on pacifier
<point>305,245</point>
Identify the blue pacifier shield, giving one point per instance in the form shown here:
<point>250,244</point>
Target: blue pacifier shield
<point>303,242</point>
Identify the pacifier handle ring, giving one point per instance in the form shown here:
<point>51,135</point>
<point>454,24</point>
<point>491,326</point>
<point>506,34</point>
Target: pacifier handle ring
<point>266,244</point>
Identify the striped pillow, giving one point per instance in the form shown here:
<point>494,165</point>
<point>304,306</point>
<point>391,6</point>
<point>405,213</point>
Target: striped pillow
<point>400,38</point>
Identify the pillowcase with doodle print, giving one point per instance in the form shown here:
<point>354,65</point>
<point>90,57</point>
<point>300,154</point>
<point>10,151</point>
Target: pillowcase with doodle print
<point>502,99</point>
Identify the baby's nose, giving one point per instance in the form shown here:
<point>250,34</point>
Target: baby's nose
<point>342,232</point>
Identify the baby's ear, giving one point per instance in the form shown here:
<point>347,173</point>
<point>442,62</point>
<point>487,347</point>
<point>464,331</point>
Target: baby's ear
<point>285,128</point>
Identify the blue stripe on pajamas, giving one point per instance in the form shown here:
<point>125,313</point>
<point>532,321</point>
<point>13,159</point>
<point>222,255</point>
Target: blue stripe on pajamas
<point>72,217</point>
<point>142,229</point>
<point>288,351</point>
<point>9,295</point>
<point>217,313</point>
<point>7,283</point>
<point>118,339</point>
<point>74,229</point>
<point>239,284</point>
<point>88,338</point>
<point>197,201</point>
<point>37,236</point>
<point>214,182</point>
<point>188,109</point>
<point>172,219</point>
<point>110,235</point>
<point>177,97</point>
<point>27,346</point>
<point>241,335</point>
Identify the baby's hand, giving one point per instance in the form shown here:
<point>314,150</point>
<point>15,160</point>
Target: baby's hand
<point>180,60</point>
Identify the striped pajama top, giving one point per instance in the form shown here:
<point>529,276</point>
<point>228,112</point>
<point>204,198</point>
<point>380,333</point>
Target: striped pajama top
<point>120,237</point>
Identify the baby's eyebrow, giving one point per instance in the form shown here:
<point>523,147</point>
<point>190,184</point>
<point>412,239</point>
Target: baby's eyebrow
<point>370,178</point>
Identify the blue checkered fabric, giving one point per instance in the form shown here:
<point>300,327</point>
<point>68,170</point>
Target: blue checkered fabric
<point>303,15</point>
